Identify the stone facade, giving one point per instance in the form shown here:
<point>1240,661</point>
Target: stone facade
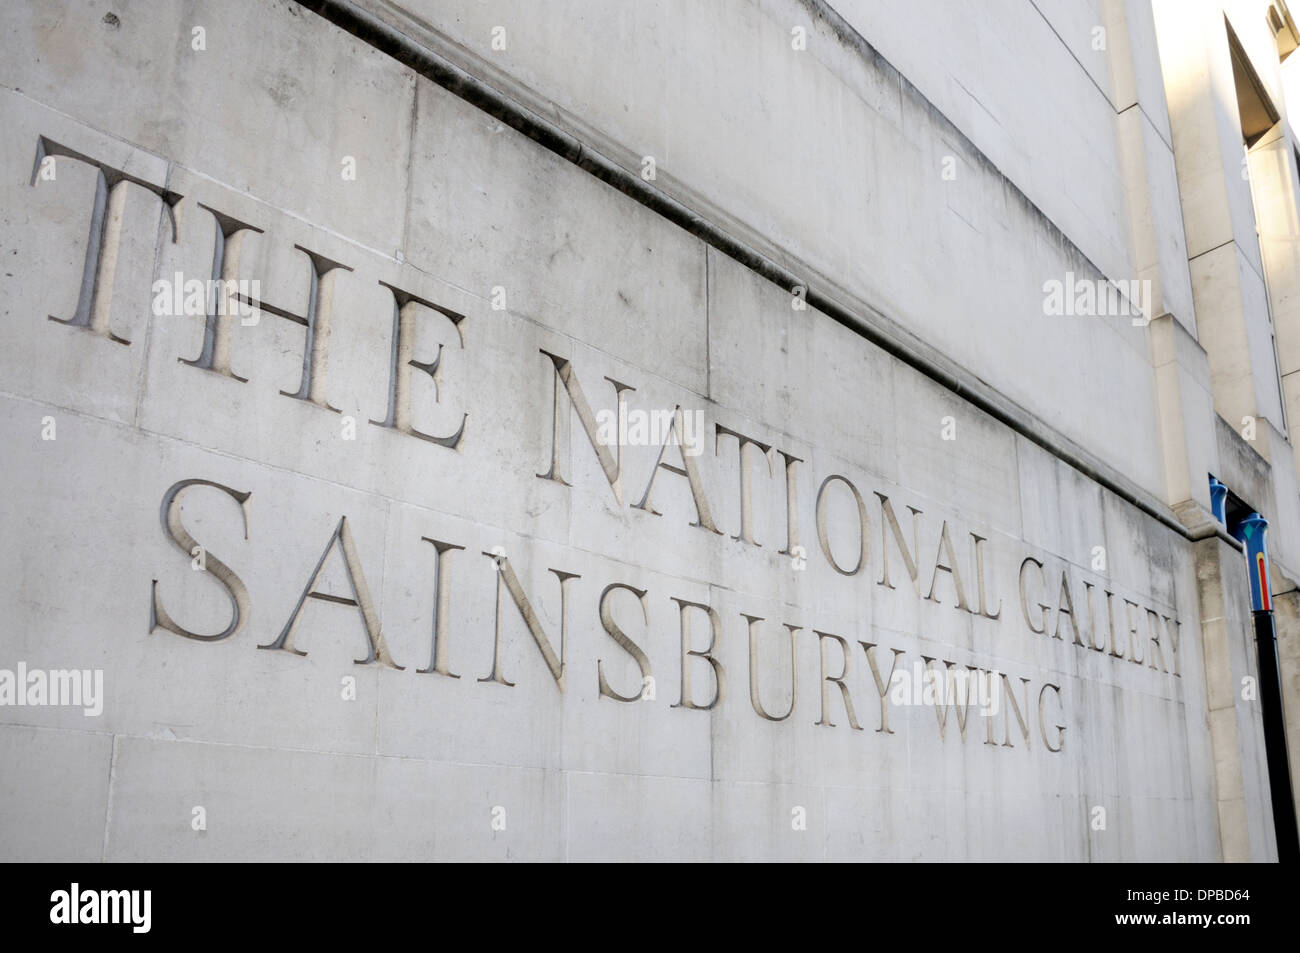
<point>647,431</point>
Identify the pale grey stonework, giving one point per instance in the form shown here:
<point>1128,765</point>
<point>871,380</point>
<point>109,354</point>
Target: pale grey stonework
<point>924,373</point>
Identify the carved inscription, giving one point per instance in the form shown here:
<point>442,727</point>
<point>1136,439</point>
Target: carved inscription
<point>886,546</point>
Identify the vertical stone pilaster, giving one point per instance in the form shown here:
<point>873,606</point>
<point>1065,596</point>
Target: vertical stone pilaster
<point>1235,721</point>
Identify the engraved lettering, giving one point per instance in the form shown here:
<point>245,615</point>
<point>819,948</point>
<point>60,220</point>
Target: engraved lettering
<point>1065,609</point>
<point>715,627</point>
<point>401,360</point>
<point>317,322</point>
<point>441,608</point>
<point>688,469</point>
<point>220,317</point>
<point>619,636</point>
<point>612,464</point>
<point>979,577</point>
<point>746,501</point>
<point>506,578</point>
<point>863,531</point>
<point>1014,706</point>
<point>1042,719</point>
<point>889,524</point>
<point>882,684</point>
<point>949,567</point>
<point>95,301</point>
<point>376,646</point>
<point>1041,628</point>
<point>838,680</point>
<point>234,586</point>
<point>791,505</point>
<point>753,670</point>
